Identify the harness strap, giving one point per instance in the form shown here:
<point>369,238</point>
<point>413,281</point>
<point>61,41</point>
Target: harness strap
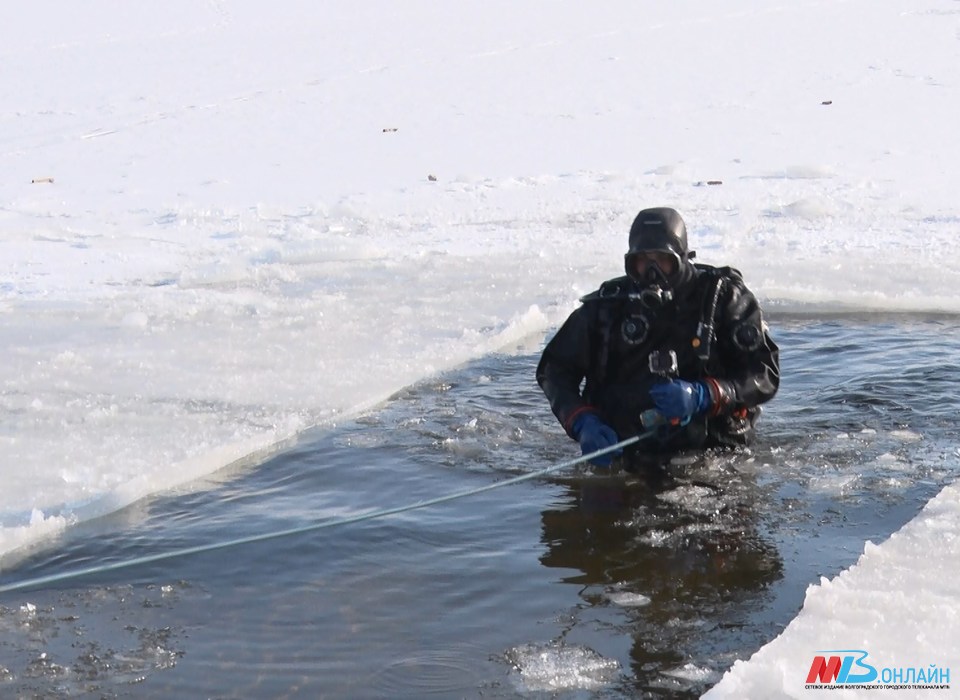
<point>706,329</point>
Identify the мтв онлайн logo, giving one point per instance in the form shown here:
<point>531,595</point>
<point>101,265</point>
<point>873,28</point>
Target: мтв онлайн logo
<point>848,668</point>
<point>837,669</point>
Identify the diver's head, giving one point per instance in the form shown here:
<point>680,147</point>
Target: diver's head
<point>657,255</point>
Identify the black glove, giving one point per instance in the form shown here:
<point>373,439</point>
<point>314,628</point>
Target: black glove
<point>593,434</point>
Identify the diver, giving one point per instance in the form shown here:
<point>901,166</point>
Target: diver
<point>675,351</point>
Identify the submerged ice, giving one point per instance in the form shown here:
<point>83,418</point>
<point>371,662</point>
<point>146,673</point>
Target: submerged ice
<point>556,666</point>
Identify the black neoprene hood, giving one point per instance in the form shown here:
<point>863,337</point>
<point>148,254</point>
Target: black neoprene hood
<point>659,228</point>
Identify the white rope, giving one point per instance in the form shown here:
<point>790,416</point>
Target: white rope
<point>186,551</point>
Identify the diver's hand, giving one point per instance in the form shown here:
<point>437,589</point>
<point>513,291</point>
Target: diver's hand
<point>681,400</point>
<point>593,434</point>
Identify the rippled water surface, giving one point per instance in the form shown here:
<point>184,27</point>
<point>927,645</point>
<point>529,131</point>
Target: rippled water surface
<point>577,584</point>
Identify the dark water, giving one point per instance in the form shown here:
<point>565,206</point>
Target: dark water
<point>578,585</point>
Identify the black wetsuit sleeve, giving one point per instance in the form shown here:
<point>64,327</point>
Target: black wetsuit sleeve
<point>748,355</point>
<point>563,367</point>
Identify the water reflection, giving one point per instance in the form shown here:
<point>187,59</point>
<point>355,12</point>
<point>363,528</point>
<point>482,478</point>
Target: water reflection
<point>682,557</point>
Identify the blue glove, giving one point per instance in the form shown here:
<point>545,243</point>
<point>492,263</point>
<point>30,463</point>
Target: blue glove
<point>593,434</point>
<point>680,400</point>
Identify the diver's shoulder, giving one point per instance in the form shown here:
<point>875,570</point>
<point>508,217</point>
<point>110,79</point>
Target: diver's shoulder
<point>616,288</point>
<point>725,271</point>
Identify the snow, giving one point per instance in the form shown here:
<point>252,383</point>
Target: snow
<point>898,603</point>
<point>221,226</point>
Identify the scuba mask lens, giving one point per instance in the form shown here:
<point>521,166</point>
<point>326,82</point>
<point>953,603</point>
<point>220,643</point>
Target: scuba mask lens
<point>656,291</point>
<point>653,274</point>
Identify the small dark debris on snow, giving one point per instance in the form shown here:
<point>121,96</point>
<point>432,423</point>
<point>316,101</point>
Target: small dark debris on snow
<point>827,102</point>
<point>389,129</point>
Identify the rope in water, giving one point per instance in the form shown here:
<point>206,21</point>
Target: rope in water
<point>186,551</point>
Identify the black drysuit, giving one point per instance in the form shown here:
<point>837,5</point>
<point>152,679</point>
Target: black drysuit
<point>713,324</point>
